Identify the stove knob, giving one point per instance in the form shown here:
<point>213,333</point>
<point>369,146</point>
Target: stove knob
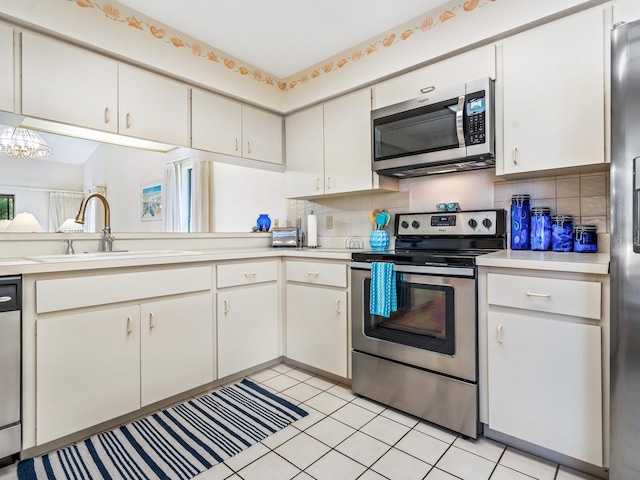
<point>473,223</point>
<point>404,224</point>
<point>415,224</point>
<point>487,223</point>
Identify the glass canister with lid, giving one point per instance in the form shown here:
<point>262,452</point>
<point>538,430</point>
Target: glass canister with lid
<point>562,233</point>
<point>540,228</point>
<point>585,239</point>
<point>520,222</point>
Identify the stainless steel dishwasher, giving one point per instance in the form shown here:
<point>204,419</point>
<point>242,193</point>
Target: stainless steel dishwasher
<point>10,427</point>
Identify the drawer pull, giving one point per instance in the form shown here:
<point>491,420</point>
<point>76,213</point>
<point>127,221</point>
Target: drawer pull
<point>152,320</point>
<point>539,295</point>
<point>499,333</point>
<point>313,274</point>
<point>226,306</point>
<point>129,325</point>
<point>338,305</point>
<point>250,275</point>
<point>5,299</point>
<point>428,89</point>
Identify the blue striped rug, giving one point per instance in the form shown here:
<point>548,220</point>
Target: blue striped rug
<point>177,443</point>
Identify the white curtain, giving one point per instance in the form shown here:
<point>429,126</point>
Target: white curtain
<point>202,196</point>
<point>62,205</point>
<point>172,197</point>
<point>94,215</point>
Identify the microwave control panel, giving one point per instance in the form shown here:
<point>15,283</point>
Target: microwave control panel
<point>475,109</point>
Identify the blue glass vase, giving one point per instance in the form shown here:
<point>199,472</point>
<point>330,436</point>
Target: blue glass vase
<point>263,222</point>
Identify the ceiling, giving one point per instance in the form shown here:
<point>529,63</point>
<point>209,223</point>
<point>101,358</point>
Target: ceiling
<point>282,37</point>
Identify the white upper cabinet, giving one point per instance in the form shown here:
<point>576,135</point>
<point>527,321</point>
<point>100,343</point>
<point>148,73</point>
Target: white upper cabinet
<point>626,11</point>
<point>261,135</point>
<point>216,123</point>
<point>225,126</point>
<point>6,68</point>
<point>553,95</point>
<point>68,84</point>
<point>305,152</point>
<point>452,72</point>
<point>153,107</point>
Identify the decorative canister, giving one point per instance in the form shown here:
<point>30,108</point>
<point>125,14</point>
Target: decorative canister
<point>540,228</point>
<point>379,239</point>
<point>264,222</point>
<point>585,239</point>
<point>562,233</point>
<point>520,220</point>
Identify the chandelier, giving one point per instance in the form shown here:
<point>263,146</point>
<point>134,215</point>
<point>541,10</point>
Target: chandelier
<point>21,142</point>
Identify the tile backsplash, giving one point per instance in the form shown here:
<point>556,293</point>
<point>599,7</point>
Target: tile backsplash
<point>586,197</point>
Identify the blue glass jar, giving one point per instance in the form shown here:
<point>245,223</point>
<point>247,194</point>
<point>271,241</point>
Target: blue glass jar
<point>562,233</point>
<point>520,222</point>
<point>585,239</point>
<point>540,228</point>
<point>264,222</point>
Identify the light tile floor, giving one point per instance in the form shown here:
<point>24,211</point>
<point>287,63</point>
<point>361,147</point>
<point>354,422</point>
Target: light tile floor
<point>346,437</point>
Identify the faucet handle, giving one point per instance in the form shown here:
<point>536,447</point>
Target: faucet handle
<point>69,250</point>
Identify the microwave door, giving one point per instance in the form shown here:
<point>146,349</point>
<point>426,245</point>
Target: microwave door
<point>428,134</point>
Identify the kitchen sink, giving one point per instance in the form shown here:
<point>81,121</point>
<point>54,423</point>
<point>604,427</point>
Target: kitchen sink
<point>115,255</point>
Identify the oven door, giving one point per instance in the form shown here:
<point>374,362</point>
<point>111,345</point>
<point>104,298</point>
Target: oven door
<point>434,327</point>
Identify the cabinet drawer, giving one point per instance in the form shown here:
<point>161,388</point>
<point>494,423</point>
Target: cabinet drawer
<point>246,273</point>
<point>332,274</point>
<point>566,297</point>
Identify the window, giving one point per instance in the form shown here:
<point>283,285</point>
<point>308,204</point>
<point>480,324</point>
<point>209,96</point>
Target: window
<point>6,206</point>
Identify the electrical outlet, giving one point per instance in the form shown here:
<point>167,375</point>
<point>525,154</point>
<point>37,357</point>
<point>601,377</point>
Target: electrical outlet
<point>329,222</point>
<point>276,222</point>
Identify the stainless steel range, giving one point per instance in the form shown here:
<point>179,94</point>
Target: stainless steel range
<point>422,358</point>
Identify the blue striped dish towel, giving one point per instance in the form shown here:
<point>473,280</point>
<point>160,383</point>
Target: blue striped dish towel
<point>384,297</point>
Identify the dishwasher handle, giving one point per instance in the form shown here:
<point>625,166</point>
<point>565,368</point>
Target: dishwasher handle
<point>10,293</point>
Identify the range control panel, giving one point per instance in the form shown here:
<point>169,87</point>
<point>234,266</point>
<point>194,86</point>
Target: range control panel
<point>467,223</point>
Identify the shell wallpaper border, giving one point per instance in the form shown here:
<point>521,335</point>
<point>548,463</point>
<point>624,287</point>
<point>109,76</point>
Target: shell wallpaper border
<point>111,13</point>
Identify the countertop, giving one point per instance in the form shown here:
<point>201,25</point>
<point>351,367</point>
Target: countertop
<point>25,266</point>
<point>593,263</point>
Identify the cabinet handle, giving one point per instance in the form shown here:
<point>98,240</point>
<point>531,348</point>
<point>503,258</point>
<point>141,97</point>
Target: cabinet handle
<point>248,147</point>
<point>514,155</point>
<point>236,144</point>
<point>128,120</point>
<point>499,333</point>
<point>541,295</point>
<point>107,119</point>
<point>226,306</point>
<point>129,325</point>
<point>249,275</point>
<point>318,183</point>
<point>428,89</point>
<point>152,320</point>
<point>329,182</point>
<point>313,274</point>
<point>338,305</point>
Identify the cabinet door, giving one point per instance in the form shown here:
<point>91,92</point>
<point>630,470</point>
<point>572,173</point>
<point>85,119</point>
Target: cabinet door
<point>553,87</point>
<point>247,327</point>
<point>626,11</point>
<point>216,123</point>
<point>153,107</point>
<point>176,346</point>
<point>88,369</point>
<point>305,153</point>
<point>261,135</point>
<point>448,73</point>
<point>347,143</point>
<point>317,327</point>
<point>68,84</point>
<point>6,68</point>
<point>545,383</point>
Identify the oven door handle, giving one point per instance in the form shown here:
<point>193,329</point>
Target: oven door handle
<point>422,269</point>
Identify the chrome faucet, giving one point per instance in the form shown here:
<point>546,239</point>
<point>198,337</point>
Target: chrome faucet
<point>107,238</point>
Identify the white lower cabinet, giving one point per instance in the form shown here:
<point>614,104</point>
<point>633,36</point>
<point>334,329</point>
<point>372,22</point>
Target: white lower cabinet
<point>88,369</point>
<point>176,346</point>
<point>317,315</point>
<point>545,350</point>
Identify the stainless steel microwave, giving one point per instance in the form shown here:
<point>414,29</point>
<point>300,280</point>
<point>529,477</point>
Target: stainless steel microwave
<point>439,132</point>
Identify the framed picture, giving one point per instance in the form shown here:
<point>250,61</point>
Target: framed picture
<point>151,202</point>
